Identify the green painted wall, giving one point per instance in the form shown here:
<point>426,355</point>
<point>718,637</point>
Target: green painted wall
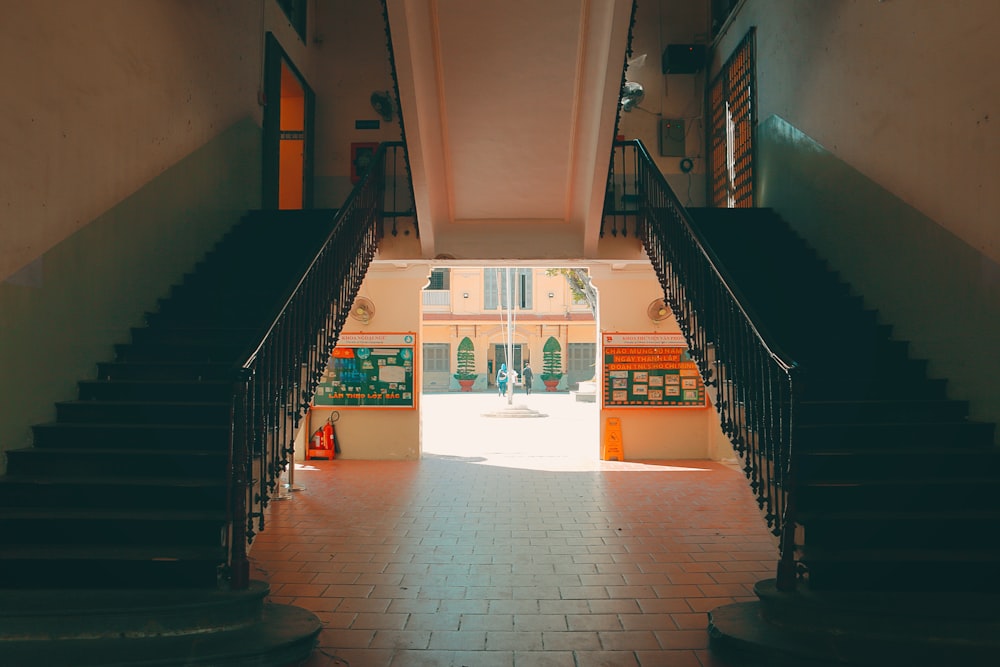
<point>936,290</point>
<point>64,312</point>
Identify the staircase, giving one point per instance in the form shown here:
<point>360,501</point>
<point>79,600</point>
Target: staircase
<point>896,491</point>
<point>123,498</point>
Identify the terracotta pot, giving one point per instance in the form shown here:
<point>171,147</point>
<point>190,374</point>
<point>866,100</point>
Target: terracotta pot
<point>466,385</point>
<point>550,385</point>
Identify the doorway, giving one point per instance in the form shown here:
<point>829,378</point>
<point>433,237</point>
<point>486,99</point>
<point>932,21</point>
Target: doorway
<point>500,357</point>
<point>288,137</point>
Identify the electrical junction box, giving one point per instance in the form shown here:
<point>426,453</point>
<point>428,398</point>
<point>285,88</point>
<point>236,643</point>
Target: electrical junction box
<point>683,58</point>
<point>672,137</point>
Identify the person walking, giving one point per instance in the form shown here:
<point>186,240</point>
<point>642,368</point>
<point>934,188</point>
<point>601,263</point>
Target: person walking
<point>526,375</point>
<point>502,380</point>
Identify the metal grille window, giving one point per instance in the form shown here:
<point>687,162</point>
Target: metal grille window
<point>496,282</point>
<point>437,357</point>
<point>733,119</point>
<point>580,357</point>
<point>440,280</point>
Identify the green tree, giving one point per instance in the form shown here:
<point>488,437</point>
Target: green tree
<point>466,359</point>
<point>579,284</point>
<point>551,360</point>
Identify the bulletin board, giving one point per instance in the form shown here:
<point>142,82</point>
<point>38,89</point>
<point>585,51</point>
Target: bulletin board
<point>370,370</point>
<point>649,370</point>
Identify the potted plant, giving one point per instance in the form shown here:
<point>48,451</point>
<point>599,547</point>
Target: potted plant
<point>551,364</point>
<point>466,374</point>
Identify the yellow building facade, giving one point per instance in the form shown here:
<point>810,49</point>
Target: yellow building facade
<point>472,302</point>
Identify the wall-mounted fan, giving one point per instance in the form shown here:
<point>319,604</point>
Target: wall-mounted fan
<point>632,94</point>
<point>633,91</point>
<point>363,310</point>
<point>658,310</point>
<point>382,103</point>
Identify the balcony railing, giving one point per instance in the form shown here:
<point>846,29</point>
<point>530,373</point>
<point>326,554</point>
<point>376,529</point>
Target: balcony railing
<point>751,380</point>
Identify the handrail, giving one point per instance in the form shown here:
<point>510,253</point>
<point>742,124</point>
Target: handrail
<point>277,378</point>
<point>755,382</point>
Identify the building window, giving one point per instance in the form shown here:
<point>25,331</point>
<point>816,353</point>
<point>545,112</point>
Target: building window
<point>497,282</point>
<point>580,358</point>
<point>440,280</point>
<point>733,117</point>
<point>437,357</point>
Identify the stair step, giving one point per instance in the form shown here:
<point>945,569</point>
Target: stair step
<point>129,486</point>
<point>283,635</point>
<point>191,335</point>
<point>958,434</point>
<point>902,569</point>
<point>820,365</point>
<point>123,413</point>
<point>33,462</point>
<point>919,463</point>
<point>793,629</point>
<point>107,527</point>
<point>117,614</point>
<point>115,566</point>
<point>874,387</point>
<point>912,493</point>
<point>215,352</point>
<point>874,411</point>
<point>212,391</point>
<point>228,307</point>
<point>929,529</point>
<point>211,318</point>
<point>886,466</point>
<point>180,371</point>
<point>175,493</point>
<point>93,552</point>
<point>156,434</point>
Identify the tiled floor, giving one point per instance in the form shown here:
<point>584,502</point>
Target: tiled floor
<point>514,555</point>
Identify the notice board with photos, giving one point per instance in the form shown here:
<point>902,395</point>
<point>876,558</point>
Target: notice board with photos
<point>369,370</point>
<point>650,370</point>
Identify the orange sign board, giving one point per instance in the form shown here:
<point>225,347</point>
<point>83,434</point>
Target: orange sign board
<point>612,447</point>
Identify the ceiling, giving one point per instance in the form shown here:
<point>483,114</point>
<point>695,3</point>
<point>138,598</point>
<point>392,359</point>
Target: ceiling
<point>509,109</point>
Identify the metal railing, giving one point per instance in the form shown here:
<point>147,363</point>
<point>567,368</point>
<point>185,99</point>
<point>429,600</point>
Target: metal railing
<point>752,380</point>
<point>276,381</point>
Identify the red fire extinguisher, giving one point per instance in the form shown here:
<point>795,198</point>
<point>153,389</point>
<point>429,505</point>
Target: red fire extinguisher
<point>328,435</point>
<point>317,440</point>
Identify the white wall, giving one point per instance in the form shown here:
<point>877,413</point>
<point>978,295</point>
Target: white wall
<point>876,142</point>
<point>672,96</point>
<point>131,142</point>
<point>650,434</point>
<point>349,62</point>
<point>904,92</point>
<point>384,433</point>
<point>104,96</point>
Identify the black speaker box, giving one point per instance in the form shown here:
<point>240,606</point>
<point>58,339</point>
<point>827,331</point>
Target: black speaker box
<point>683,58</point>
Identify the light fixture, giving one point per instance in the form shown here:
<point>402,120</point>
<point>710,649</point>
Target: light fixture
<point>465,295</point>
<point>551,294</point>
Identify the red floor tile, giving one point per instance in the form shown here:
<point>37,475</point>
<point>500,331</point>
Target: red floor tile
<point>514,557</point>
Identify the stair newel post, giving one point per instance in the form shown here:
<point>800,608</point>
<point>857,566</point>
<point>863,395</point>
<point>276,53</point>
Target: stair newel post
<point>786,576</point>
<point>239,564</point>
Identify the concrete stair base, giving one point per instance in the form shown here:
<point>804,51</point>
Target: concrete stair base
<point>91,628</point>
<point>857,629</point>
